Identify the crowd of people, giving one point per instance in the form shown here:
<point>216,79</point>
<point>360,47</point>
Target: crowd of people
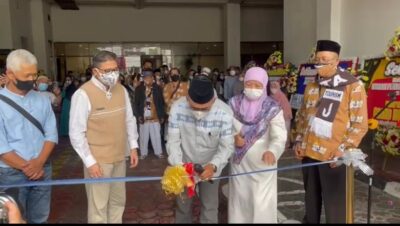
<point>209,117</point>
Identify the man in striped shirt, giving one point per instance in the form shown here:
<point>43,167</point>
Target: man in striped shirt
<point>200,131</point>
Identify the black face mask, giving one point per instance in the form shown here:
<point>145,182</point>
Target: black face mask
<point>175,78</point>
<point>24,85</point>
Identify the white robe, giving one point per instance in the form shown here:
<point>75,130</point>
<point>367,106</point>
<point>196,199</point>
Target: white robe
<point>253,198</point>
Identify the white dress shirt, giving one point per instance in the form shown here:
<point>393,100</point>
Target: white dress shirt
<point>79,115</point>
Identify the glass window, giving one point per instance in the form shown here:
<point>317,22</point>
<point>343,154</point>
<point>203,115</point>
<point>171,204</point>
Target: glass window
<point>97,47</point>
<point>130,49</point>
<point>185,62</point>
<point>212,62</point>
<point>77,64</point>
<point>184,48</point>
<point>211,48</point>
<point>150,49</point>
<point>59,49</point>
<point>165,49</point>
<point>77,49</point>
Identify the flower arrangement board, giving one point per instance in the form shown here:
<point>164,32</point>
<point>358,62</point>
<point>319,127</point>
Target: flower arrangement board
<point>378,97</point>
<point>387,68</point>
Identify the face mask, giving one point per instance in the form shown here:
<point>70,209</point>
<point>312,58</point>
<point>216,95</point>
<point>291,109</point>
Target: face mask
<point>191,77</point>
<point>175,78</point>
<point>325,70</point>
<point>232,73</point>
<point>241,79</point>
<point>253,94</point>
<point>24,85</point>
<point>43,87</point>
<point>83,79</point>
<point>200,114</point>
<point>109,79</point>
<point>68,82</point>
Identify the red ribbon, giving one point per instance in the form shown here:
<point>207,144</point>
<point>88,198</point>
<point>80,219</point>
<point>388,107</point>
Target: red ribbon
<point>189,167</point>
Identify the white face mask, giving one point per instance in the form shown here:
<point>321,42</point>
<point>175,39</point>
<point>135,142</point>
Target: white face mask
<point>253,94</point>
<point>232,73</point>
<point>200,114</point>
<point>318,66</point>
<point>241,79</point>
<point>109,79</point>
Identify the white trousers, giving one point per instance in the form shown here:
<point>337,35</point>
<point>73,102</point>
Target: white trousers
<point>150,130</point>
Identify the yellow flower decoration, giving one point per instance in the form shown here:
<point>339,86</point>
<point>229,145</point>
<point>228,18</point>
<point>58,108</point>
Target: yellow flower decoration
<point>273,60</point>
<point>373,123</point>
<point>311,58</point>
<point>393,45</point>
<point>175,180</point>
<point>388,138</point>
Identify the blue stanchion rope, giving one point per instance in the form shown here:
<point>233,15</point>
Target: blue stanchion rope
<point>143,178</point>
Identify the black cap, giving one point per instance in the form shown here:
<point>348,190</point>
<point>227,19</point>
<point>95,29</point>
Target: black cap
<point>201,90</point>
<point>328,45</point>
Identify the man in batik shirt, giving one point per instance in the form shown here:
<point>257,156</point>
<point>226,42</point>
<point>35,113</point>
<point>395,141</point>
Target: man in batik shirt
<point>331,120</point>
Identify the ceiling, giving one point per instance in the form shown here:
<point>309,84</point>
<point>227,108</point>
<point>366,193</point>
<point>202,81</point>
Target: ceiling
<point>139,4</point>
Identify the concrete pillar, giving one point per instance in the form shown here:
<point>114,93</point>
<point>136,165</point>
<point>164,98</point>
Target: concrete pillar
<point>299,29</point>
<point>329,19</point>
<point>6,41</point>
<point>232,34</point>
<point>42,35</point>
<point>305,22</point>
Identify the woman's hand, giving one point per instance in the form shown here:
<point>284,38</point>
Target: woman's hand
<point>239,141</point>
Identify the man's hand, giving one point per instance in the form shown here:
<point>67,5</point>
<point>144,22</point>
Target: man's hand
<point>269,158</point>
<point>335,154</point>
<point>239,140</point>
<point>95,171</point>
<point>34,169</point>
<point>141,120</point>
<point>14,215</point>
<point>37,176</point>
<point>299,151</point>
<point>3,79</point>
<point>134,158</point>
<point>208,172</point>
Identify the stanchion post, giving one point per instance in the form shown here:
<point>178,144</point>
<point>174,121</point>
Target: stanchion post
<point>349,194</point>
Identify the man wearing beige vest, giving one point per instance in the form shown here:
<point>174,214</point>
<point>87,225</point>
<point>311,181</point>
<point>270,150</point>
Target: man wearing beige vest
<point>101,124</point>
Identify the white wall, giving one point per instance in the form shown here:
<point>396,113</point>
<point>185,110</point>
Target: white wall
<point>125,24</point>
<point>261,24</point>
<point>299,29</point>
<point>367,26</point>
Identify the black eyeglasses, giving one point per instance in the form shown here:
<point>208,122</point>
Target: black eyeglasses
<point>106,71</point>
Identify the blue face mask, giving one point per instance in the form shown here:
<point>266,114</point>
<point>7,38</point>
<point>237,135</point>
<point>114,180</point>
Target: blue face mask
<point>43,87</point>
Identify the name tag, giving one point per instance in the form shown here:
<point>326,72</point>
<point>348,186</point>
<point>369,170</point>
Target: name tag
<point>333,95</point>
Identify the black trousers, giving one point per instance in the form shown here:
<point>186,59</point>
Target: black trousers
<point>323,184</point>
